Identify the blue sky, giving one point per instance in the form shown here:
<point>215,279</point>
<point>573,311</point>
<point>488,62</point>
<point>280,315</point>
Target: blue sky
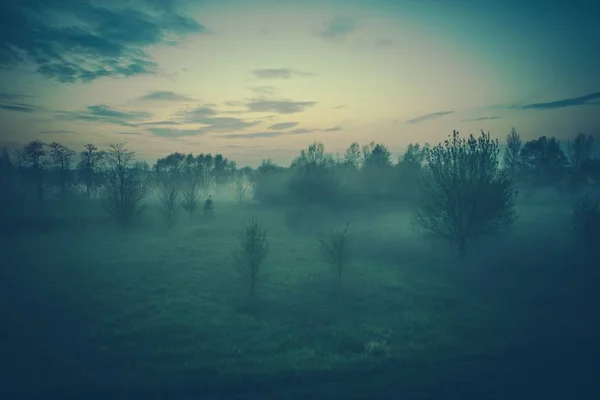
<point>257,79</point>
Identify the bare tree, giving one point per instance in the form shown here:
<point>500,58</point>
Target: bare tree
<point>334,247</point>
<point>32,159</point>
<point>464,194</point>
<point>579,156</point>
<point>168,195</point>
<point>254,249</point>
<point>89,165</point>
<point>191,184</point>
<point>124,187</point>
<point>62,160</point>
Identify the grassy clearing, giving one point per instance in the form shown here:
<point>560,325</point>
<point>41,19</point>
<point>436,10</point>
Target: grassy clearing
<point>92,307</point>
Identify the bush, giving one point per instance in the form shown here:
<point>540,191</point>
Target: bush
<point>254,249</point>
<point>586,220</point>
<point>463,193</point>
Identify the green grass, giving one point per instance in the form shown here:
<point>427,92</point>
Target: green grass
<point>94,307</point>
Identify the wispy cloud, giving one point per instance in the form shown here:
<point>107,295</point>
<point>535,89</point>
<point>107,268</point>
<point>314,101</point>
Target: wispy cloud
<point>262,89</point>
<point>279,73</point>
<point>383,42</point>
<point>428,117</point>
<point>283,125</point>
<point>279,106</point>
<point>105,114</point>
<point>337,28</point>
<point>480,119</point>
<point>589,99</point>
<point>176,133</point>
<point>164,95</point>
<point>16,102</point>
<point>56,131</point>
<point>81,40</point>
<point>254,135</point>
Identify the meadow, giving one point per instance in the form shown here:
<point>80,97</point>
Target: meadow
<point>94,311</point>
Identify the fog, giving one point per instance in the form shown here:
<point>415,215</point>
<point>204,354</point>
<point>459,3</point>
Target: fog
<point>453,272</point>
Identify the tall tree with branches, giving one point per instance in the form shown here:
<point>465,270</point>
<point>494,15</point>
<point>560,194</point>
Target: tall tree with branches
<point>125,186</point>
<point>464,194</point>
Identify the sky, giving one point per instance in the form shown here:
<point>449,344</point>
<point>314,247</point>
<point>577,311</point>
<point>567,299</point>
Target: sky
<point>264,79</point>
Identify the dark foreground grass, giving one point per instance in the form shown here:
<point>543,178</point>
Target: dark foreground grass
<point>92,312</point>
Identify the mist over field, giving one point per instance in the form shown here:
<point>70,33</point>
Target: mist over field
<point>285,200</point>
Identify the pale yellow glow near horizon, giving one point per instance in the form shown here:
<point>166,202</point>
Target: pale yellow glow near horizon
<point>415,73</point>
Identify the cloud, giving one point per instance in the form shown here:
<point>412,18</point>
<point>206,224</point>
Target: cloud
<point>384,42</point>
<point>153,123</point>
<point>234,103</point>
<point>106,114</point>
<point>589,99</point>
<point>19,107</point>
<point>302,131</point>
<point>263,89</point>
<point>480,119</point>
<point>198,114</point>
<point>82,40</point>
<point>175,133</point>
<point>279,73</point>
<point>340,107</point>
<point>283,125</point>
<point>14,102</point>
<point>279,106</point>
<point>254,135</point>
<point>164,96</point>
<point>57,131</point>
<point>427,117</point>
<point>337,28</point>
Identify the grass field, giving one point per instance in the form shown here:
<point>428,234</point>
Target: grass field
<point>93,312</point>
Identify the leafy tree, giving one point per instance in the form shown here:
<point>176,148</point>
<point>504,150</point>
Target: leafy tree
<point>464,194</point>
<point>62,160</point>
<point>409,169</point>
<point>125,186</point>
<point>512,154</point>
<point>254,248</point>
<point>352,156</point>
<point>314,182</point>
<point>543,161</point>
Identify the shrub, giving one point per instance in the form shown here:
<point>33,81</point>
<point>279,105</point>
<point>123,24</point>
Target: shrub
<point>463,192</point>
<point>334,248</point>
<point>254,249</point>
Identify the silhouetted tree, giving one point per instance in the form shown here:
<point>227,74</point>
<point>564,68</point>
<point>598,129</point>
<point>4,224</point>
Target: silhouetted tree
<point>62,162</point>
<point>191,184</point>
<point>334,248</point>
<point>543,161</point>
<point>89,168</point>
<point>32,159</point>
<point>409,169</point>
<point>586,221</point>
<point>464,194</point>
<point>352,156</point>
<point>254,249</point>
<point>580,160</point>
<point>314,182</point>
<point>512,155</point>
<point>125,185</point>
